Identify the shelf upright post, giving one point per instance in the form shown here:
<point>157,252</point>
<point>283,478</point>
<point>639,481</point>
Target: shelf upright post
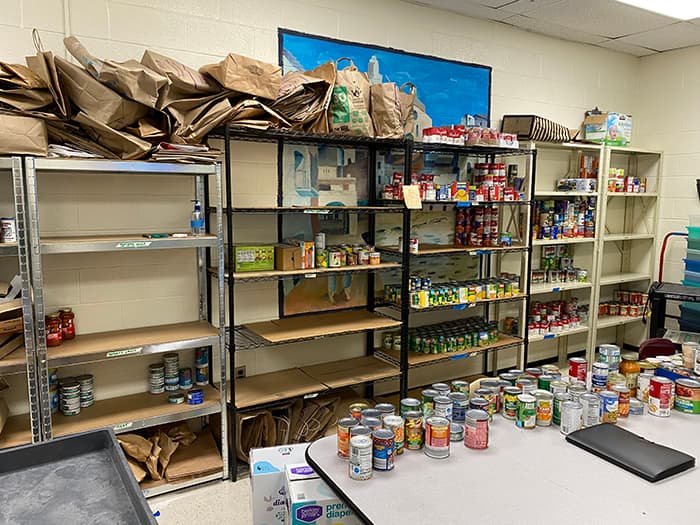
<point>371,239</point>
<point>405,271</point>
<point>484,273</point>
<point>526,286</point>
<point>23,253</point>
<point>233,460</point>
<point>280,219</point>
<point>37,290</point>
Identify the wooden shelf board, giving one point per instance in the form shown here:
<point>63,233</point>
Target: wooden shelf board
<point>627,194</point>
<point>133,412</point>
<point>548,337</point>
<point>627,236</point>
<point>432,249</point>
<point>353,371</point>
<point>538,289</point>
<point>575,240</point>
<point>135,341</point>
<point>554,193</point>
<point>618,278</point>
<point>617,320</point>
<point>313,271</point>
<point>290,329</point>
<point>417,358</point>
<point>275,386</point>
<point>16,359</point>
<point>17,431</point>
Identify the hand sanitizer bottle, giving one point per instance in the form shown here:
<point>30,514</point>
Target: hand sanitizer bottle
<point>197,220</point>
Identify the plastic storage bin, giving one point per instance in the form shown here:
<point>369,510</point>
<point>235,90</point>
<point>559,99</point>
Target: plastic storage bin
<point>693,232</point>
<point>692,266</point>
<point>690,312</point>
<point>694,254</point>
<point>692,277</point>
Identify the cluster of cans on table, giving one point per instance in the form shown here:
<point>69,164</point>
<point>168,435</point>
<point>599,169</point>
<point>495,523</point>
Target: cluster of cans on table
<point>555,317</point>
<point>423,293</point>
<point>69,394</point>
<point>564,219</point>
<point>453,336</point>
<point>169,377</point>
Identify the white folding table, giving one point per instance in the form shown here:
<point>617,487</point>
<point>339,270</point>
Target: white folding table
<point>524,477</point>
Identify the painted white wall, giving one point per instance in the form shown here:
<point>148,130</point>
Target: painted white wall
<point>531,74</point>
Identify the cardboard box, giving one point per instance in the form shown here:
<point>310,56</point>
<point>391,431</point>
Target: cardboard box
<point>610,128</point>
<point>310,501</point>
<point>267,481</point>
<point>254,258</point>
<point>288,257</point>
<point>308,253</point>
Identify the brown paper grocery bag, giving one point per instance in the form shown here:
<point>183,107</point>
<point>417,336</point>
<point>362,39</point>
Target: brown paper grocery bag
<point>19,76</point>
<point>97,100</point>
<point>26,99</point>
<point>185,82</point>
<point>43,65</point>
<point>408,115</point>
<point>124,145</point>
<point>246,75</point>
<point>62,132</point>
<point>22,135</point>
<point>350,112</point>
<point>386,111</point>
<point>130,78</point>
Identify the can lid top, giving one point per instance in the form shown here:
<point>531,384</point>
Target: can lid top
<point>479,415</point>
<point>686,381</point>
<point>361,441</point>
<point>383,433</point>
<point>438,421</point>
<point>410,401</point>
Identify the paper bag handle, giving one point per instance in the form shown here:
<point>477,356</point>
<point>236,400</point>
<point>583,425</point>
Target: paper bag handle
<point>38,44</point>
<point>352,64</point>
<point>412,87</point>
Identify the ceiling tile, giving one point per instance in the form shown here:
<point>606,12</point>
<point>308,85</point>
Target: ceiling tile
<point>555,30</point>
<point>681,34</point>
<point>630,49</point>
<point>472,8</point>
<point>603,17</point>
<point>523,6</point>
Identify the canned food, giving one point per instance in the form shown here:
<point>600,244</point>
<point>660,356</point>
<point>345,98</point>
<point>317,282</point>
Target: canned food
<point>616,379</point>
<point>623,400</point>
<point>533,372</point>
<point>409,404</point>
<point>460,386</point>
<point>660,394</point>
<point>374,423</point>
<point>476,429</point>
<point>526,384</point>
<point>361,458</point>
<point>636,407</point>
<point>443,388</point>
<point>558,387</point>
<point>526,415</point>
<point>571,417</point>
<point>201,375</point>
<point>490,397</point>
<point>687,396</point>
<point>479,403</point>
<point>8,229</point>
<point>599,377</point>
<point>370,412</point>
<point>544,382</point>
<point>356,410</point>
<point>456,432</point>
<point>508,376</point>
<point>576,390</point>
<point>442,407</point>
<point>608,406</point>
<point>428,403</point>
<point>559,398</point>
<point>343,436</point>
<point>360,430</point>
<point>413,430</point>
<point>460,404</point>
<point>396,425</point>
<point>385,409</point>
<point>176,399</point>
<point>437,437</point>
<point>591,409</point>
<point>510,401</point>
<point>577,368</point>
<point>383,449</point>
<point>610,354</point>
<point>643,383</point>
<point>543,408</point>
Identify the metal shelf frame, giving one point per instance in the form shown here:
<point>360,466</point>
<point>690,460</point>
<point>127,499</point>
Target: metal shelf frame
<point>214,338</point>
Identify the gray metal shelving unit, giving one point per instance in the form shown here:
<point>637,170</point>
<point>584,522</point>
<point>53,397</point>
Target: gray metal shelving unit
<point>22,428</point>
<point>137,411</point>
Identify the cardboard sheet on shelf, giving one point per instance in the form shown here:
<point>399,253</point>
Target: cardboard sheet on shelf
<point>275,386</point>
<point>84,345</point>
<point>11,350</point>
<point>349,372</point>
<point>415,393</point>
<point>198,459</point>
<point>16,431</point>
<point>289,329</point>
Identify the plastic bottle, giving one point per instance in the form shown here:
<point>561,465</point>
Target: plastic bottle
<point>197,219</point>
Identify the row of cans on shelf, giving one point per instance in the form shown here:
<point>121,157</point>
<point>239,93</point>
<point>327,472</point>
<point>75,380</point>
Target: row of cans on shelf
<point>168,376</point>
<point>625,310</point>
<point>70,394</point>
<point>479,226</point>
<point>618,182</point>
<point>564,219</point>
<point>454,336</point>
<point>568,275</point>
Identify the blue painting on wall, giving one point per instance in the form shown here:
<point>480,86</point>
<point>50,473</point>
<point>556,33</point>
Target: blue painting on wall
<point>446,90</point>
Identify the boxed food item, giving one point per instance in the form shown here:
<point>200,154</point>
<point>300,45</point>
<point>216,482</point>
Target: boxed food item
<point>267,481</point>
<point>288,257</point>
<point>607,127</point>
<point>308,253</point>
<point>310,501</point>
<point>254,258</point>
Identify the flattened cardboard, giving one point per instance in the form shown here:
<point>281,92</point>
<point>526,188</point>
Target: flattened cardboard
<point>275,386</point>
<point>198,459</point>
<point>22,135</point>
<point>347,372</point>
<point>14,346</point>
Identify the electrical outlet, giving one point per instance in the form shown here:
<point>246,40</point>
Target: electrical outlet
<point>240,372</point>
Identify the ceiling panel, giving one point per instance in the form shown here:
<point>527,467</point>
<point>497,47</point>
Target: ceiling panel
<point>630,49</point>
<point>472,8</point>
<point>555,30</point>
<point>603,17</point>
<point>681,34</point>
<point>525,6</point>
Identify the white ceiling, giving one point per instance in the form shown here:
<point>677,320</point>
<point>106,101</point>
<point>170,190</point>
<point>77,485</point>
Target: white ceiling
<point>605,23</point>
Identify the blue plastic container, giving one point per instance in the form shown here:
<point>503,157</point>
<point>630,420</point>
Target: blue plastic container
<point>692,277</point>
<point>692,266</point>
<point>693,254</point>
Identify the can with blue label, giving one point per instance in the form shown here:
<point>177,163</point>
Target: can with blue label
<point>460,405</point>
<point>201,357</point>
<point>185,378</point>
<point>201,375</point>
<point>383,449</point>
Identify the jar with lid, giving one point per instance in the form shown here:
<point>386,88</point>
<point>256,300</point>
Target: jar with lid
<point>67,323</point>
<point>54,335</point>
<point>630,369</point>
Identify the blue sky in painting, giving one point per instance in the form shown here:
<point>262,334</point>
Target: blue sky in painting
<point>449,90</point>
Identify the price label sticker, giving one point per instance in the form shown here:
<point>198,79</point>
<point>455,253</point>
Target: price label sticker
<point>133,244</point>
<point>123,426</point>
<point>463,204</point>
<point>317,212</point>
<point>549,336</point>
<point>310,275</point>
<point>459,307</point>
<point>310,396</point>
<point>461,356</point>
<point>556,289</point>
<point>121,353</point>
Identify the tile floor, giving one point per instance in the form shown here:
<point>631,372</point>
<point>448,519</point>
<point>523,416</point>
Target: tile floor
<point>215,503</point>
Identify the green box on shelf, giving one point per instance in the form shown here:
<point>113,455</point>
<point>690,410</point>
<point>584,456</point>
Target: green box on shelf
<point>254,257</point>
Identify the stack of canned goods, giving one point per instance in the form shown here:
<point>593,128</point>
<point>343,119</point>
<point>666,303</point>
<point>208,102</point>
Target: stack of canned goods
<point>626,304</point>
<point>172,372</point>
<point>564,219</point>
<point>201,364</point>
<point>87,387</point>
<point>185,378</point>
<point>69,396</point>
<point>557,266</point>
<point>556,317</point>
<point>343,255</point>
<point>479,226</point>
<point>156,374</point>
<point>53,389</point>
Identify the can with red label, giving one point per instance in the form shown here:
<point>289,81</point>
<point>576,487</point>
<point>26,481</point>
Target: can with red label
<point>476,427</point>
<point>396,425</point>
<point>437,437</point>
<point>577,368</point>
<point>623,400</point>
<point>383,449</point>
<point>343,433</point>
<point>660,394</point>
